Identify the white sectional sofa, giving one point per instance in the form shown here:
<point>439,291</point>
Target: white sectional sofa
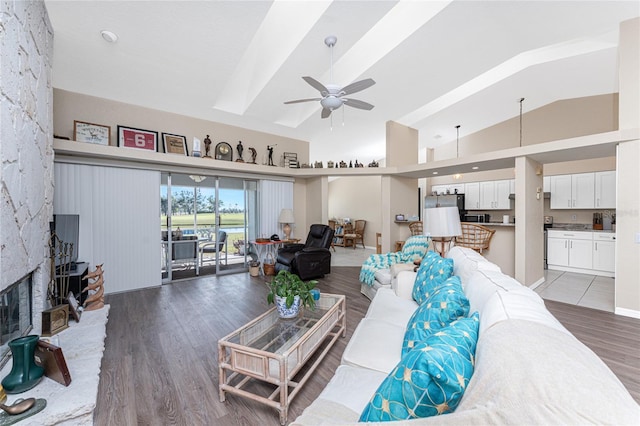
<point>528,368</point>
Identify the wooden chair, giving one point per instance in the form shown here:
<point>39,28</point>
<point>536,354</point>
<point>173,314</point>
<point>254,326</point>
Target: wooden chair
<point>332,225</point>
<point>475,236</point>
<point>415,228</point>
<point>357,234</point>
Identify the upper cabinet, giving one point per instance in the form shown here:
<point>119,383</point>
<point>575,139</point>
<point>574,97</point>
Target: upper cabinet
<point>488,195</point>
<point>472,196</point>
<point>583,191</point>
<point>605,190</point>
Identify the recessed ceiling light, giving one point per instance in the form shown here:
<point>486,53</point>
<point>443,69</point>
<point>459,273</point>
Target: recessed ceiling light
<point>435,173</point>
<point>109,36</point>
<point>475,168</point>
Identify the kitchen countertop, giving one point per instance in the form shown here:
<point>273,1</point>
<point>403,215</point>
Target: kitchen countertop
<point>586,227</point>
<point>557,227</point>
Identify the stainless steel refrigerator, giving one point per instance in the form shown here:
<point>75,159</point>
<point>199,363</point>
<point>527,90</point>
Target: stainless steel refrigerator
<point>451,200</point>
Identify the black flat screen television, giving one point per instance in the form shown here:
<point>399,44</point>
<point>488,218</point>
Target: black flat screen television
<point>67,228</point>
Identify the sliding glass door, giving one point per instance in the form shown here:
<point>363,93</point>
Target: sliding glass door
<point>206,224</point>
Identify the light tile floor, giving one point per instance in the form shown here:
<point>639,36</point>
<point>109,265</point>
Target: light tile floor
<point>591,291</point>
<point>348,256</point>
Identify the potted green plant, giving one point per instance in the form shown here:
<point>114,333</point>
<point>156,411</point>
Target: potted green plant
<point>288,292</point>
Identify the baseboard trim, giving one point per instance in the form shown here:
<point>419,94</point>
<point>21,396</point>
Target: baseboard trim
<point>627,312</point>
<point>537,284</point>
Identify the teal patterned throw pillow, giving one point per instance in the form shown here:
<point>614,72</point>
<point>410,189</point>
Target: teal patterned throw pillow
<point>445,304</point>
<point>434,270</point>
<point>430,379</point>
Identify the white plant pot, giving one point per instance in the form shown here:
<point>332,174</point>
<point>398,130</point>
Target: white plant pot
<point>281,306</point>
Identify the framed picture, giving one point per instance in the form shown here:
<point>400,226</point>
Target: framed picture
<point>91,132</point>
<point>174,144</point>
<point>130,137</point>
<point>74,309</point>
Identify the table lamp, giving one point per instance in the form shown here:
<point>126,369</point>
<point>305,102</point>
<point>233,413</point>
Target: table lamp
<point>443,224</point>
<point>286,217</point>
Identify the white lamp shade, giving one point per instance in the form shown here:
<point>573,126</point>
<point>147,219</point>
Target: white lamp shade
<point>286,216</point>
<point>442,222</point>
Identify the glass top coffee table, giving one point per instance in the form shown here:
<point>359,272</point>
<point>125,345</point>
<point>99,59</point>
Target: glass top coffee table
<point>276,351</point>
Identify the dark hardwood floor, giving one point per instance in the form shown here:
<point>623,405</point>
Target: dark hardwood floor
<point>160,361</point>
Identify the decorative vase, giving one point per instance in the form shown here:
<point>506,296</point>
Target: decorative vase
<point>283,311</point>
<point>24,374</point>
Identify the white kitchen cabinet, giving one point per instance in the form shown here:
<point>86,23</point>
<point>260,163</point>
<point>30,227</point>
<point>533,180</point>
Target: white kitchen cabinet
<point>560,187</point>
<point>494,195</point>
<point>571,249</point>
<point>604,252</point>
<point>546,184</point>
<point>557,251</point>
<point>605,190</point>
<point>472,196</point>
<point>572,191</point>
<point>583,190</point>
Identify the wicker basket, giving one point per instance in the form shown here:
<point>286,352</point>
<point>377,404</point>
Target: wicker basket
<point>269,265</point>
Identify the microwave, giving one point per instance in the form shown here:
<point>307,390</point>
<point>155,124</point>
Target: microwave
<point>481,218</point>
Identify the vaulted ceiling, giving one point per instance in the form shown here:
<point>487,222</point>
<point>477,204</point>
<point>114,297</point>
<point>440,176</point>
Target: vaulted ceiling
<point>436,64</point>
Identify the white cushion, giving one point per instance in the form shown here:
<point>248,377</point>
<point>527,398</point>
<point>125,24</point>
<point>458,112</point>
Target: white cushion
<point>506,305</point>
<point>340,388</point>
<point>483,284</point>
<point>383,276</point>
<point>466,261</point>
<point>388,307</point>
<point>375,344</point>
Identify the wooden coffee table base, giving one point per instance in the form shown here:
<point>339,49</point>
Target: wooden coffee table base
<point>276,351</point>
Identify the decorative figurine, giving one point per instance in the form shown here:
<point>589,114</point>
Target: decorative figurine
<point>373,164</point>
<point>350,164</point>
<point>330,164</point>
<point>207,147</point>
<point>343,164</point>
<point>239,148</point>
<point>254,154</point>
<point>270,150</point>
<point>95,300</point>
<point>318,165</point>
<point>358,165</point>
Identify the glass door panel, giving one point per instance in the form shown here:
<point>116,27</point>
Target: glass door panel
<point>210,218</point>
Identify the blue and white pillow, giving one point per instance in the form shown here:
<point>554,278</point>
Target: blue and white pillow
<point>430,379</point>
<point>434,270</point>
<point>445,304</point>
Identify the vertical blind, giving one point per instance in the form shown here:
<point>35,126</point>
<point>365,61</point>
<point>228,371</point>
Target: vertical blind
<point>119,221</point>
<point>274,196</point>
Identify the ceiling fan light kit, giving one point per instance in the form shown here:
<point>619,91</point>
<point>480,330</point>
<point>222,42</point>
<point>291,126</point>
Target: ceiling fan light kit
<point>332,94</point>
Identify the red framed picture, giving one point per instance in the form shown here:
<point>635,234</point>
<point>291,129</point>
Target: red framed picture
<point>130,137</point>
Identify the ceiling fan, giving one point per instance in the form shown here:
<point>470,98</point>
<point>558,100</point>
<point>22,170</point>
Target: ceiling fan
<point>332,94</point>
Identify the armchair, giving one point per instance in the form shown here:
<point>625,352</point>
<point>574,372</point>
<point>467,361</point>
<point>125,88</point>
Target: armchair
<point>311,259</point>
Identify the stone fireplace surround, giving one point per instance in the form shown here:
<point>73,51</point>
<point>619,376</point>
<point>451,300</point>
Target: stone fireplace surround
<point>26,204</point>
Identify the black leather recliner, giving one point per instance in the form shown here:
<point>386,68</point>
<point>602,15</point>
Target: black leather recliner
<point>311,259</point>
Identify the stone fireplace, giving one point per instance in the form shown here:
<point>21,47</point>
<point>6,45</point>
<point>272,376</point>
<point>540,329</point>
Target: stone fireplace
<point>26,139</point>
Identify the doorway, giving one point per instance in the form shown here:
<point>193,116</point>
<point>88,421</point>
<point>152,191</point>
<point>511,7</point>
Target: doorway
<point>206,222</point>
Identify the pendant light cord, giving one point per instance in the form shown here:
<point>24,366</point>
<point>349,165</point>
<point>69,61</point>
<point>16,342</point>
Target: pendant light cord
<point>521,100</point>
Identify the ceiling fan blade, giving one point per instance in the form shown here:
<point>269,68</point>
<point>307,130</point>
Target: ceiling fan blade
<point>357,86</point>
<point>326,112</point>
<point>297,101</point>
<point>355,103</point>
<point>317,85</point>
